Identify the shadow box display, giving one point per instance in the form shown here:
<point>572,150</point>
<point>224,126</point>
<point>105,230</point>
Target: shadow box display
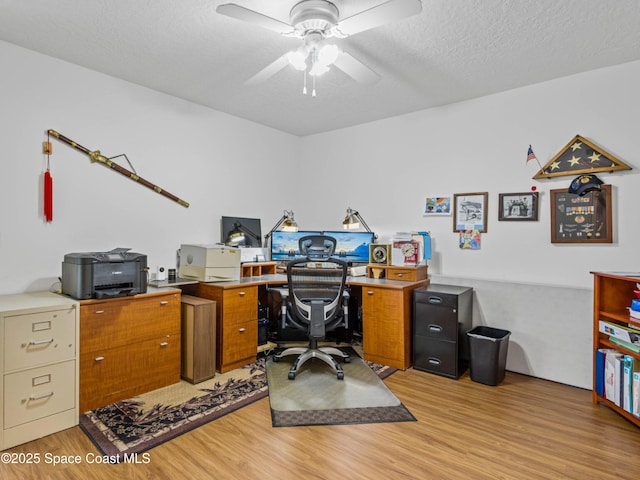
<point>581,219</point>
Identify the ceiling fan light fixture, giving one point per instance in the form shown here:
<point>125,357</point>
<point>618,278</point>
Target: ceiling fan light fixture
<point>297,60</point>
<point>315,21</point>
<point>328,54</point>
<point>314,16</point>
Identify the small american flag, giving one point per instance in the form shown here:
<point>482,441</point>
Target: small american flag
<point>530,154</point>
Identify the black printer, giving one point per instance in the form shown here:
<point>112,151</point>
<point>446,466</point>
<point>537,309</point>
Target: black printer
<point>117,273</point>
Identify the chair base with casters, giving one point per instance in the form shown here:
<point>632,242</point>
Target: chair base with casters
<point>313,351</point>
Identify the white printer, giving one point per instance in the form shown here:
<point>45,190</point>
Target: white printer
<point>209,263</point>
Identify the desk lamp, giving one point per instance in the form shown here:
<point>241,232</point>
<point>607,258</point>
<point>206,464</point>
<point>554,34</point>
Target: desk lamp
<point>241,236</point>
<point>287,222</point>
<point>353,221</point>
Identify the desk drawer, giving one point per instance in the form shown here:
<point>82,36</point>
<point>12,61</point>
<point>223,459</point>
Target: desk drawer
<point>434,327</point>
<point>436,356</point>
<point>240,305</point>
<point>114,374</point>
<point>123,321</point>
<point>239,345</point>
<point>405,274</point>
<point>39,338</point>
<point>38,392</point>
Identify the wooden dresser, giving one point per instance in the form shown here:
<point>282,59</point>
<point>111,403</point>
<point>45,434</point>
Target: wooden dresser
<point>38,366</point>
<point>128,346</point>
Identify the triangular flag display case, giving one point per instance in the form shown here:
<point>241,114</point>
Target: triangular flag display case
<point>578,157</point>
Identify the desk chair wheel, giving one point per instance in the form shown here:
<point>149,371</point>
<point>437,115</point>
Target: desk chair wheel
<point>292,375</point>
<point>340,375</point>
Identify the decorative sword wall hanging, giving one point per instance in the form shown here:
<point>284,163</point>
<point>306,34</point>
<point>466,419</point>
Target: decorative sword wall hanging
<point>96,156</point>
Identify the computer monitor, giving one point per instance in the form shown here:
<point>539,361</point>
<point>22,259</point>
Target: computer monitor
<point>285,245</point>
<point>241,232</point>
<point>353,247</point>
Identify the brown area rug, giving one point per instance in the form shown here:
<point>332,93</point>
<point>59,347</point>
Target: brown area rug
<point>143,422</point>
<point>140,423</point>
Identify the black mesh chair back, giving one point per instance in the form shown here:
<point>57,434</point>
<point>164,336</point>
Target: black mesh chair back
<point>317,300</point>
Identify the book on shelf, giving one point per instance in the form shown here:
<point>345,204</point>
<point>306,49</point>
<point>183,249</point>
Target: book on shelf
<point>600,362</point>
<point>635,404</point>
<point>628,365</point>
<point>621,332</point>
<point>613,372</point>
<point>627,345</point>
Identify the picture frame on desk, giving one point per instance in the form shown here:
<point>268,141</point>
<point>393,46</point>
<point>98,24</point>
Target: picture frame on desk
<point>470,211</point>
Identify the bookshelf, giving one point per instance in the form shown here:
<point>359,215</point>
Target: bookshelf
<point>612,294</point>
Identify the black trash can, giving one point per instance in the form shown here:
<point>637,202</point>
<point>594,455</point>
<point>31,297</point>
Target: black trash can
<point>488,348</point>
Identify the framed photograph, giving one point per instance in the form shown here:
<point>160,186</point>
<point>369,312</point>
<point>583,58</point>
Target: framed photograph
<point>437,205</point>
<point>470,211</point>
<point>518,206</point>
<point>581,219</point>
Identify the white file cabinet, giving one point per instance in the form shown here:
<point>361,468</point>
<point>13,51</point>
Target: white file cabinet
<point>38,366</point>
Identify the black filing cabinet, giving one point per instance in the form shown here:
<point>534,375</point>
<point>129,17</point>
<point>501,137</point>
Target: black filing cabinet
<point>441,319</point>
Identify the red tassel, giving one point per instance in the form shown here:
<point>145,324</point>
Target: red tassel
<point>48,196</point>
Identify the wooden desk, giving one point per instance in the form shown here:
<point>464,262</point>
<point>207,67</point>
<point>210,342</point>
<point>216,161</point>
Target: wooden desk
<point>386,313</point>
<point>387,319</point>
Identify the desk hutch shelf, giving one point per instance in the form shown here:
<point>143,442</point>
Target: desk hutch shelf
<point>395,272</point>
<point>255,269</point>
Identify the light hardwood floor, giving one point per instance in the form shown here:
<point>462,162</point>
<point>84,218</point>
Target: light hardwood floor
<point>525,428</point>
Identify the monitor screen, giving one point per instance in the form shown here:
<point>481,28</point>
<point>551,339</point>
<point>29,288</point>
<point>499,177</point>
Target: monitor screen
<point>284,245</point>
<point>352,246</point>
<point>241,232</point>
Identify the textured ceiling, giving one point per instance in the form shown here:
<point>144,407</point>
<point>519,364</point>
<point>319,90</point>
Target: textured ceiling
<point>453,50</point>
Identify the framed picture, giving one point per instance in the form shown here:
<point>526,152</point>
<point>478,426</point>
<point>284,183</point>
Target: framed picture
<point>437,205</point>
<point>470,211</point>
<point>518,206</point>
<point>581,219</point>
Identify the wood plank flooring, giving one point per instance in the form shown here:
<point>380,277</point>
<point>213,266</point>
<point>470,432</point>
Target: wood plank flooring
<point>525,428</point>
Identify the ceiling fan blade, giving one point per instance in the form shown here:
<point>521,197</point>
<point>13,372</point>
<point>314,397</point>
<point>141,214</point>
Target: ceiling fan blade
<point>268,71</point>
<point>386,12</point>
<point>241,13</point>
<point>356,69</point>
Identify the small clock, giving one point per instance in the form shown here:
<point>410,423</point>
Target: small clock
<point>379,254</point>
<point>408,251</point>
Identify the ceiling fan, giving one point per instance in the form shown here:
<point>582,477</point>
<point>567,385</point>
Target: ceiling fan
<point>314,22</point>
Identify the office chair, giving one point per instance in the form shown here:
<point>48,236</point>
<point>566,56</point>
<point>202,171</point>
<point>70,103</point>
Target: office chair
<point>317,301</point>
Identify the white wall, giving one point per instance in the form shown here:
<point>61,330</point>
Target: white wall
<point>223,165</point>
<point>539,291</point>
<point>481,146</point>
<point>218,163</point>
